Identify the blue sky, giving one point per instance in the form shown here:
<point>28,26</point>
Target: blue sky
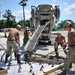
<point>67,8</point>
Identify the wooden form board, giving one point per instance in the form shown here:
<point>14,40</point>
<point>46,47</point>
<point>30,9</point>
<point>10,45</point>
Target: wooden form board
<point>50,70</point>
<point>3,71</point>
<point>2,49</point>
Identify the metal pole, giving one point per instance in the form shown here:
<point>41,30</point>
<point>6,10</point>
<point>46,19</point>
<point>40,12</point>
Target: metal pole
<point>0,10</point>
<point>24,15</point>
<point>23,4</point>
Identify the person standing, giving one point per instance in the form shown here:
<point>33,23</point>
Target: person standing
<point>70,58</point>
<point>27,34</point>
<point>13,41</point>
<point>59,40</point>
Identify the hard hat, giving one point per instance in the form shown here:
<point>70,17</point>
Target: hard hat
<point>67,23</point>
<point>27,28</point>
<point>59,34</point>
<point>18,26</point>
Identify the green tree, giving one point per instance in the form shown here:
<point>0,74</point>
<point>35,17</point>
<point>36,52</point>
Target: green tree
<point>2,23</point>
<point>9,18</point>
<point>61,24</point>
<point>27,23</point>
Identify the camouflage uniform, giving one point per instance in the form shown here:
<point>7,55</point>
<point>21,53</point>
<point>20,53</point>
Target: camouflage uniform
<point>27,34</point>
<point>13,41</point>
<point>26,37</point>
<point>70,57</point>
<point>71,53</point>
<point>12,44</point>
<point>59,40</point>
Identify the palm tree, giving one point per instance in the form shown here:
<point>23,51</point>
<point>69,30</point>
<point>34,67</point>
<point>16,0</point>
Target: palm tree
<point>23,4</point>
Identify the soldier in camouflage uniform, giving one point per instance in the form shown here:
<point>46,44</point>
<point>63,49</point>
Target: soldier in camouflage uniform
<point>13,41</point>
<point>70,58</point>
<point>27,34</point>
<point>59,40</point>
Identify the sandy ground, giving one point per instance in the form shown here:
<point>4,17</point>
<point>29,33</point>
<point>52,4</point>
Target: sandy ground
<point>25,68</point>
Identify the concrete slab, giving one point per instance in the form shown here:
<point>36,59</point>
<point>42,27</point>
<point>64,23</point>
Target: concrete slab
<point>43,49</point>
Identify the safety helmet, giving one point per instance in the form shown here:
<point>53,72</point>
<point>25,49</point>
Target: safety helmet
<point>19,26</point>
<point>27,28</point>
<point>58,33</point>
<point>67,23</point>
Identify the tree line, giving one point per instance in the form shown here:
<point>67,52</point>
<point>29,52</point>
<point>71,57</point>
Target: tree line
<point>61,24</point>
<point>9,21</point>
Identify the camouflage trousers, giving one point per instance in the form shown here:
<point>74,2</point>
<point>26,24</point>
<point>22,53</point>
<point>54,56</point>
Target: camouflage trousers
<point>70,58</point>
<point>25,41</point>
<point>12,45</point>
